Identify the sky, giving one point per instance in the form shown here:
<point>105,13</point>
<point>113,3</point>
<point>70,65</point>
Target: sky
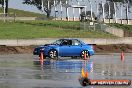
<point>17,4</point>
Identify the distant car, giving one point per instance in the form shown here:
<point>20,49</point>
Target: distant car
<point>65,48</point>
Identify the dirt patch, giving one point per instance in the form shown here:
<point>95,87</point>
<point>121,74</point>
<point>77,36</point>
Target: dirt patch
<point>16,49</point>
<point>98,49</point>
<point>116,48</point>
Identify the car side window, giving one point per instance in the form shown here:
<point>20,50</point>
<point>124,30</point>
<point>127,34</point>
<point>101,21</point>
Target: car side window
<point>67,42</point>
<point>75,42</point>
<point>70,42</point>
<point>57,42</point>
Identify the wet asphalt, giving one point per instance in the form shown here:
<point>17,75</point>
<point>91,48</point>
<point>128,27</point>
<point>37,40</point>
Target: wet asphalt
<point>25,71</point>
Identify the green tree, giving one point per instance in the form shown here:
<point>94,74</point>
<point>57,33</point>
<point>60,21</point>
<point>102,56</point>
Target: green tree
<point>112,10</point>
<point>38,4</point>
<point>6,3</point>
<point>2,2</point>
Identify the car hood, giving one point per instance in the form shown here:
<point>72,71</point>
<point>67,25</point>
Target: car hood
<point>46,45</point>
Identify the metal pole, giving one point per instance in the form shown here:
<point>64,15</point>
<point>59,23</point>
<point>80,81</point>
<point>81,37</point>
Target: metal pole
<point>78,5</point>
<point>42,5</point>
<point>85,9</point>
<point>115,12</point>
<point>4,11</point>
<point>85,13</point>
<point>91,11</point>
<point>97,9</point>
<point>55,9</point>
<point>121,13</point>
<point>48,9</point>
<point>127,15</point>
<point>48,5</point>
<point>67,15</point>
<point>61,9</point>
<point>103,12</point>
<point>73,14</point>
<point>109,11</point>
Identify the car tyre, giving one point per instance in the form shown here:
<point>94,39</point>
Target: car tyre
<point>53,54</point>
<point>87,54</point>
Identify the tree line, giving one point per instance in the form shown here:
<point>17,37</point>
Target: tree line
<point>47,5</point>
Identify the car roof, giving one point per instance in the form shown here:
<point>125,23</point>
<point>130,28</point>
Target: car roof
<point>69,39</point>
<point>72,39</point>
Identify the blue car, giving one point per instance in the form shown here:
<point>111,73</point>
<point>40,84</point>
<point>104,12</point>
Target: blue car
<point>65,48</point>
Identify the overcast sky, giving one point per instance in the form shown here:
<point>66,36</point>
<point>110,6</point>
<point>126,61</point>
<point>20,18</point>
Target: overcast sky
<point>17,4</point>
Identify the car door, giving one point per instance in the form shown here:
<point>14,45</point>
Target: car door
<point>65,48</point>
<point>75,48</point>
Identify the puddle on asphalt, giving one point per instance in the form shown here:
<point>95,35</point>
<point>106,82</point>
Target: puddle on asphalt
<point>23,71</point>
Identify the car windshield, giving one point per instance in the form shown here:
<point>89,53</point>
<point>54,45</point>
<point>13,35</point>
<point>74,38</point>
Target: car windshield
<point>57,41</point>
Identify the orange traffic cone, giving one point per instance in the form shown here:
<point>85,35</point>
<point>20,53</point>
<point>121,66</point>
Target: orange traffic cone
<point>85,57</point>
<point>84,74</point>
<point>41,58</point>
<point>122,56</point>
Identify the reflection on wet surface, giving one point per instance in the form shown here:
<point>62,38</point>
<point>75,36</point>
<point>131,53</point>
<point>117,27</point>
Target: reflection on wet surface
<point>23,71</point>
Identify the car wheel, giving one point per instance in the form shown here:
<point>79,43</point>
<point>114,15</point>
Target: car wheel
<point>53,54</point>
<point>85,52</point>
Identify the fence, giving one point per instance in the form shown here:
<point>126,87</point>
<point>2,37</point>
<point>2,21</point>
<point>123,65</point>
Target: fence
<point>13,17</point>
<point>101,27</point>
<point>8,17</point>
<point>93,26</point>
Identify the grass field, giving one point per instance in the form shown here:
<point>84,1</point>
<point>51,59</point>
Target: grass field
<point>46,29</point>
<point>127,28</point>
<point>122,26</point>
